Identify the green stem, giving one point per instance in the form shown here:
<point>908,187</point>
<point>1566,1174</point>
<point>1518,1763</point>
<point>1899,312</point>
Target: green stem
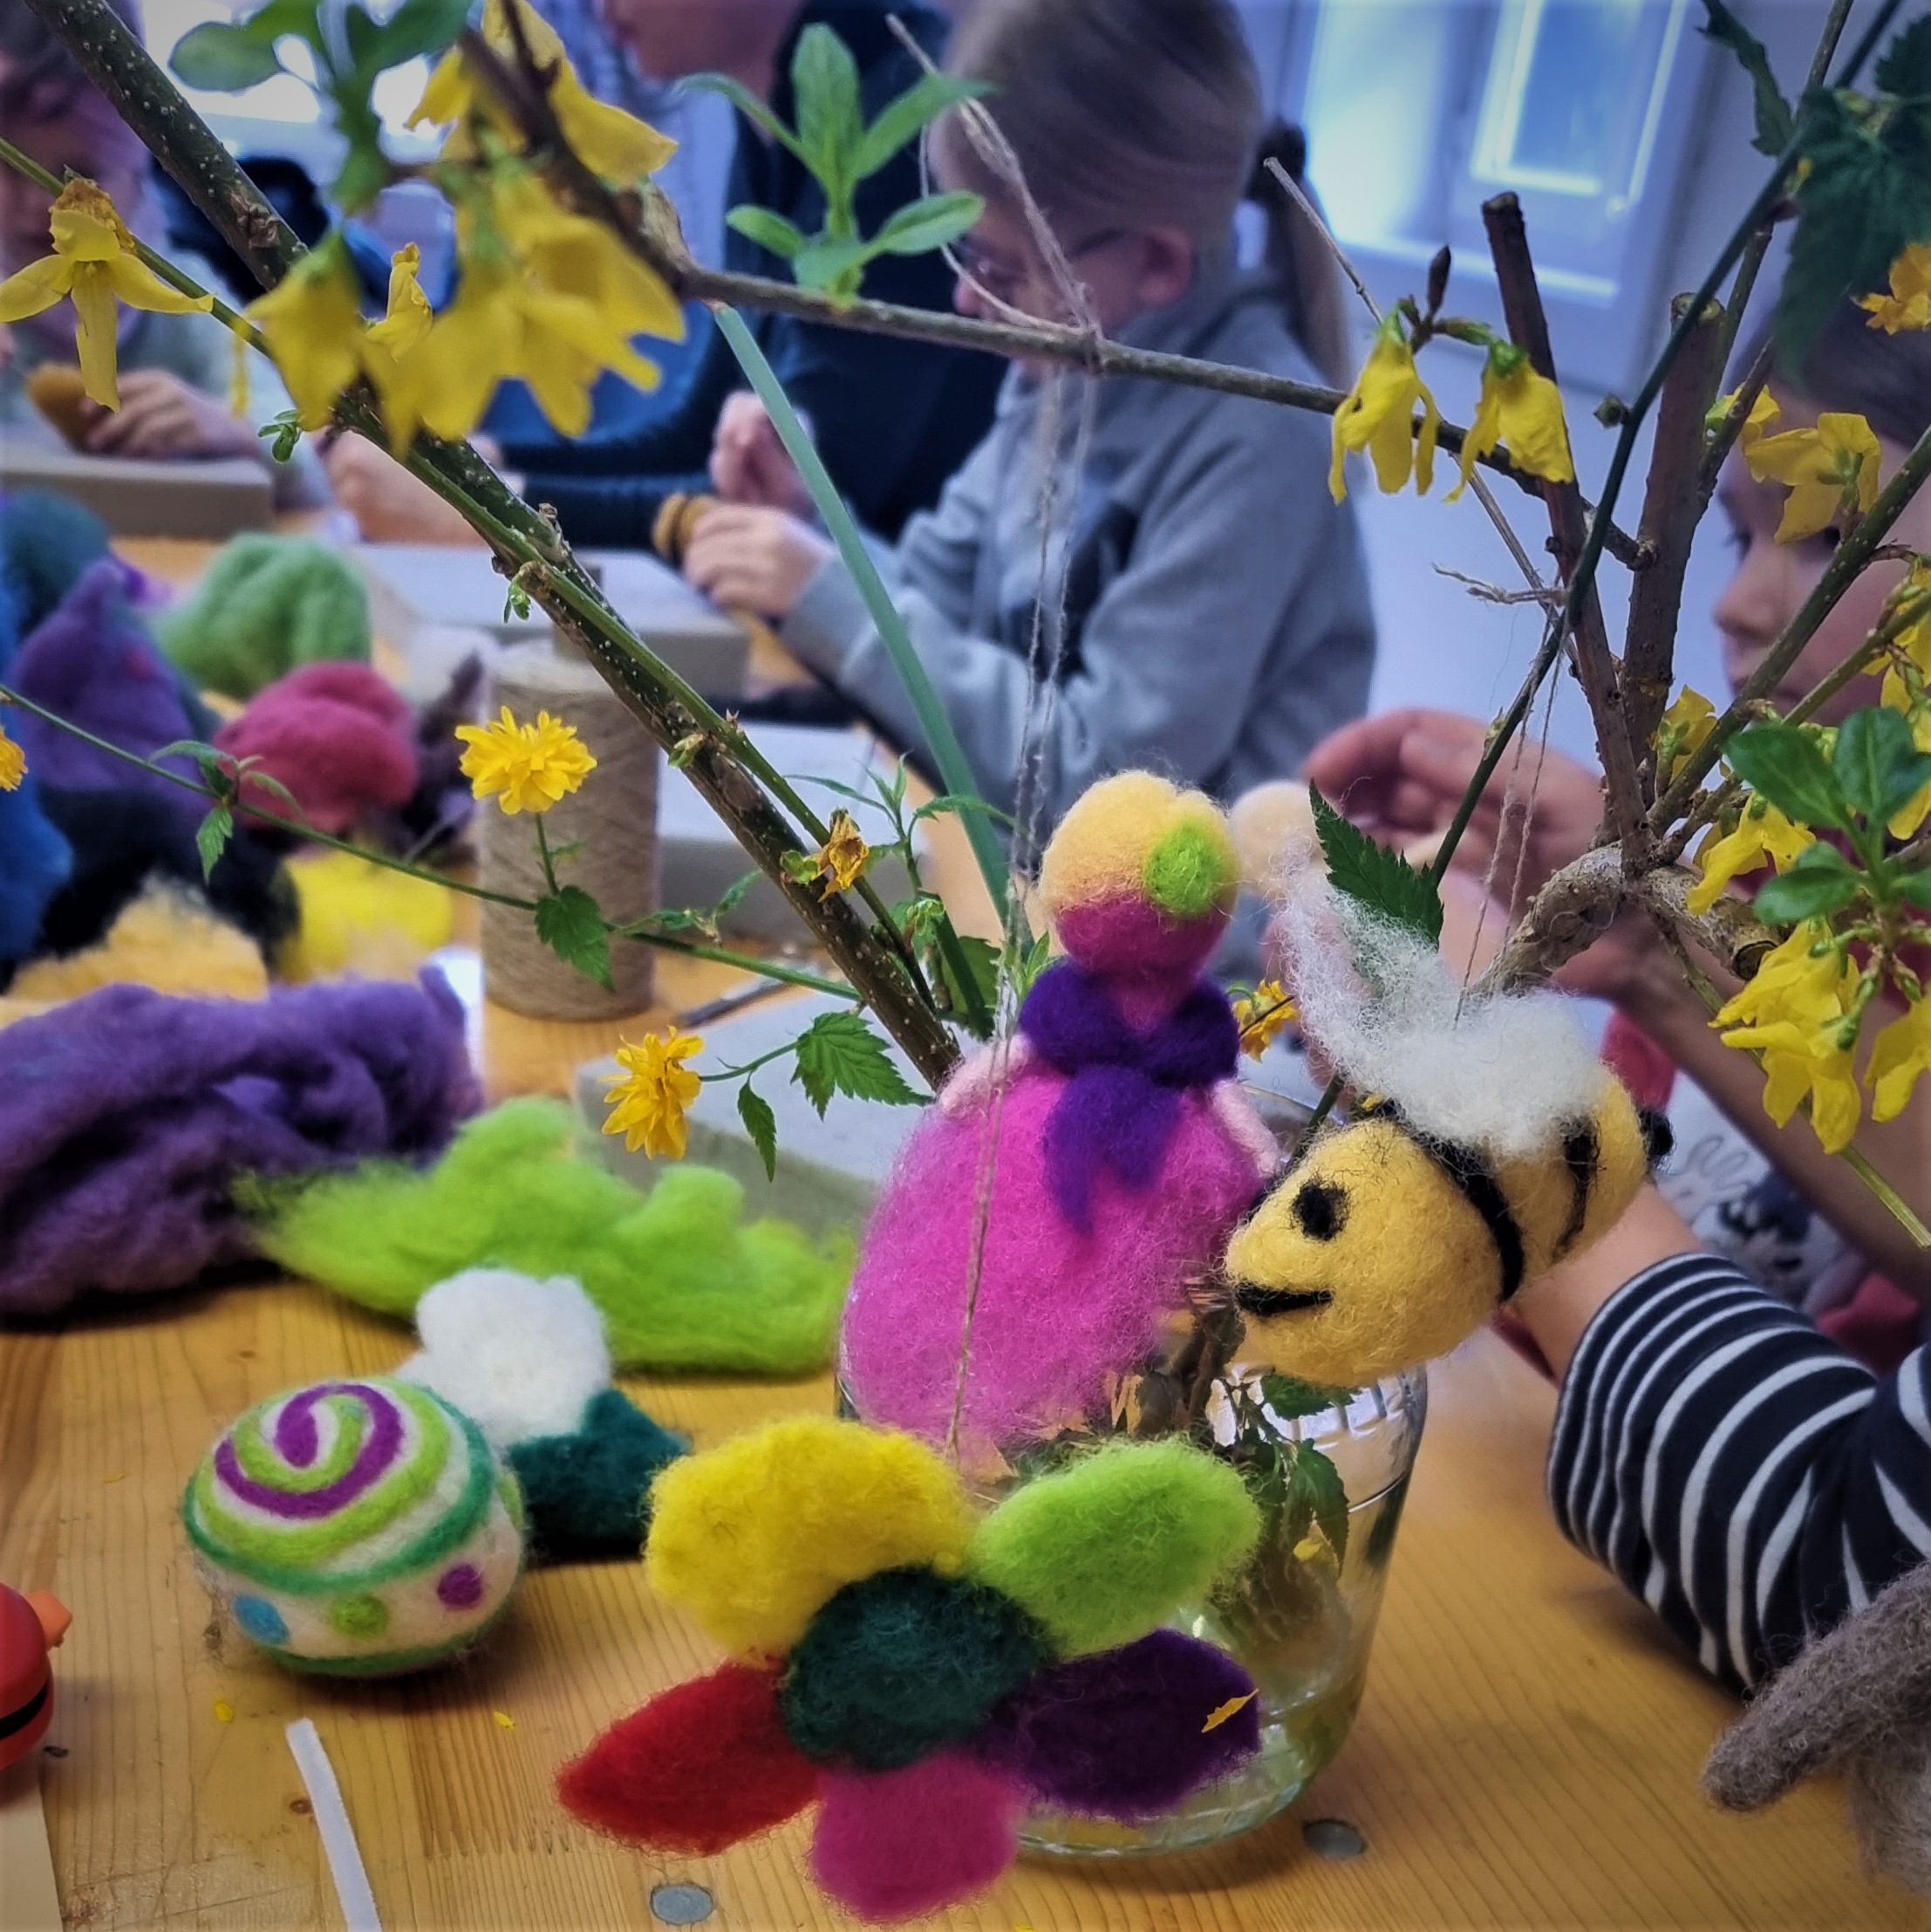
<point>543,853</point>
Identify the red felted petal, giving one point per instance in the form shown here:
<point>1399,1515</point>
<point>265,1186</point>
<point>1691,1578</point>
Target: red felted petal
<point>695,1769</point>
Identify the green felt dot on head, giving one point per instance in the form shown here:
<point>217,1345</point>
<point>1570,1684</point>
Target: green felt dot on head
<point>1190,871</point>
<point>359,1616</point>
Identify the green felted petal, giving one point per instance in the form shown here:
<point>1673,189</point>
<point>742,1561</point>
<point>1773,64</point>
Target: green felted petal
<point>901,1665</point>
<point>1108,1549</point>
<point>585,1494</point>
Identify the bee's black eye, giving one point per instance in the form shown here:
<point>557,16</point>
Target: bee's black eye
<point>1321,1209</point>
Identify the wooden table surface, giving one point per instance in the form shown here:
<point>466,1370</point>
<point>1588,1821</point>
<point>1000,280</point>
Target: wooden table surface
<point>1527,1755</point>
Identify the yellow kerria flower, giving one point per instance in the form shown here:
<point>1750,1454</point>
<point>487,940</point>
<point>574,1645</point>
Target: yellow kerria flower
<point>1909,305</point>
<point>611,143</point>
<point>13,764</point>
<point>1261,1018</point>
<point>95,262</point>
<point>524,768</point>
<point>1829,471</point>
<point>1522,408</point>
<point>1762,833</point>
<point>843,859</point>
<point>1790,1013</point>
<point>1681,732</point>
<point>1378,415</point>
<point>647,1101</point>
<point>1902,1052</point>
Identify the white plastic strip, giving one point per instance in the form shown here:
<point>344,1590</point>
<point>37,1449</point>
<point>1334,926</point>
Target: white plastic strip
<point>331,1818</point>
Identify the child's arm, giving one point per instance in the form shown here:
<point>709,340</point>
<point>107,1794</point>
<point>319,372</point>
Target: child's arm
<point>1740,1472</point>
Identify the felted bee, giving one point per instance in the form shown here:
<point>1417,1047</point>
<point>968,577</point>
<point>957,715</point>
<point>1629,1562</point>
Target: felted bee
<point>1496,1145</point>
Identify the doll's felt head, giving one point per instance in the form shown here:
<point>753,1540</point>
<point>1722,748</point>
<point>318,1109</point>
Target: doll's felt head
<point>1141,877</point>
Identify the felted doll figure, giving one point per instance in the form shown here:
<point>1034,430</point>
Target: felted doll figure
<point>1094,1165</point>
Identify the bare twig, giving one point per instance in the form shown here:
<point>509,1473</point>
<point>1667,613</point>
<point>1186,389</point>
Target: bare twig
<point>1548,596</point>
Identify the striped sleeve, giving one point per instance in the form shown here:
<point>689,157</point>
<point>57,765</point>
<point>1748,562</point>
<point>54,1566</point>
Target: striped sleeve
<point>1739,1471</point>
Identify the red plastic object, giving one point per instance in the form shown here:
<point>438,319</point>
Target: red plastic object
<point>30,1628</point>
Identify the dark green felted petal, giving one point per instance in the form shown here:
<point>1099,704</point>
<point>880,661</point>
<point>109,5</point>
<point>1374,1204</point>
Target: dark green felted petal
<point>584,1493</point>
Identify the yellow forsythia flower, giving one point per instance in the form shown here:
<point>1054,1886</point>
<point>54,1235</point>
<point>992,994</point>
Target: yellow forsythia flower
<point>1914,640</point>
<point>13,764</point>
<point>1378,415</point>
<point>647,1101</point>
<point>1681,732</point>
<point>1904,822</point>
<point>1762,833</point>
<point>1909,305</point>
<point>1262,1017</point>
<point>843,859</point>
<point>95,262</point>
<point>1829,470</point>
<point>611,143</point>
<point>1522,408</point>
<point>1791,1013</point>
<point>524,768</point>
<point>1902,1052</point>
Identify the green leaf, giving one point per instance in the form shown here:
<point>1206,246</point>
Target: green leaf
<point>515,599</point>
<point>211,837</point>
<point>570,924</point>
<point>1878,763</point>
<point>1822,881</point>
<point>770,231</point>
<point>952,802</point>
<point>1316,1484</point>
<point>419,28</point>
<point>365,170</point>
<point>755,1110</point>
<point>928,224</point>
<point>839,1054</point>
<point>282,434</point>
<point>736,892</point>
<point>1030,962</point>
<point>1378,878</point>
<point>828,265</point>
<point>1905,68</point>
<point>221,58</point>
<point>1915,887</point>
<point>751,107</point>
<point>1291,1398</point>
<point>980,959</point>
<point>824,78</point>
<point>900,120</point>
<point>1782,763</point>
<point>1774,121</point>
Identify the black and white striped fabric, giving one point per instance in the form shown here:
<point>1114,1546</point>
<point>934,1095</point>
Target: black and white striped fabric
<point>1739,1471</point>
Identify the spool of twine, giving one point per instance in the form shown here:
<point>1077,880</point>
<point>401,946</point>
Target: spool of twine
<point>610,818</point>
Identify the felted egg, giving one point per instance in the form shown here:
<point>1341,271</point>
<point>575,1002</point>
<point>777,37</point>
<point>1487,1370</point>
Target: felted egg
<point>359,1528</point>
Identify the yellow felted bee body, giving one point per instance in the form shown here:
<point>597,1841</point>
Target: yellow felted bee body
<point>1385,1247</point>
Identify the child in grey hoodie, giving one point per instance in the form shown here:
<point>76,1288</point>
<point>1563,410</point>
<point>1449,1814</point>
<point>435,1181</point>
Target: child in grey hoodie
<point>1217,620</point>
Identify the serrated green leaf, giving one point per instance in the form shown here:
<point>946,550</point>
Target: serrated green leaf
<point>1782,763</point>
<point>1315,1481</point>
<point>211,837</point>
<point>1374,875</point>
<point>1820,882</point>
<point>1030,962</point>
<point>755,1110</point>
<point>1775,124</point>
<point>570,924</point>
<point>1878,763</point>
<point>979,958</point>
<point>900,120</point>
<point>825,81</point>
<point>930,223</point>
<point>1291,1398</point>
<point>220,58</point>
<point>838,1053</point>
<point>784,239</point>
<point>1905,67</point>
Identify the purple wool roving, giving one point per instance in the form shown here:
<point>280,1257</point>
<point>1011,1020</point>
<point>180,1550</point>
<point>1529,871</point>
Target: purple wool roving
<point>127,1116</point>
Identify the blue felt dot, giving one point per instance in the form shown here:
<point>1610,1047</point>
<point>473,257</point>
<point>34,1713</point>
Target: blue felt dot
<point>262,1620</point>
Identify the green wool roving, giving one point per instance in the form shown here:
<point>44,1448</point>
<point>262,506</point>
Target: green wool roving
<point>267,605</point>
<point>681,1279</point>
<point>586,1493</point>
<point>1122,1538</point>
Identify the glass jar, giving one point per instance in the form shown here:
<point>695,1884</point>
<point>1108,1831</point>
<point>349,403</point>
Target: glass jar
<point>1301,1622</point>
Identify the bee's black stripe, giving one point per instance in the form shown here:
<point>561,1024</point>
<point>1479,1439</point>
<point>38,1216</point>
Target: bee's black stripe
<point>1476,1178</point>
<point>1582,1150</point>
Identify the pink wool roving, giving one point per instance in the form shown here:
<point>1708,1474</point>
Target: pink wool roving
<point>337,735</point>
<point>898,1843</point>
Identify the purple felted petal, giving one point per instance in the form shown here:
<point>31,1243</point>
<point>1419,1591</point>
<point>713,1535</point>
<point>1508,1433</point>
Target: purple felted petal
<point>127,1116</point>
<point>1122,1734</point>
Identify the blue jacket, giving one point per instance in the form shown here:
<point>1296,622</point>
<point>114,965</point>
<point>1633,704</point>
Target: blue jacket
<point>893,418</point>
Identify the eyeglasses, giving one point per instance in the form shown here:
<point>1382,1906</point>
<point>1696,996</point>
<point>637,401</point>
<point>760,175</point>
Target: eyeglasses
<point>1005,279</point>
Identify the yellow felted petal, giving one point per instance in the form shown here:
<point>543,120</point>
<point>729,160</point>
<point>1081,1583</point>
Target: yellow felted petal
<point>97,322</point>
<point>1101,847</point>
<point>36,287</point>
<point>164,939</point>
<point>755,1537</point>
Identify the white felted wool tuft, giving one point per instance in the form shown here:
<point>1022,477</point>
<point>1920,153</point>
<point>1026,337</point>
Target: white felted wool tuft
<point>519,1357</point>
<point>1503,1072</point>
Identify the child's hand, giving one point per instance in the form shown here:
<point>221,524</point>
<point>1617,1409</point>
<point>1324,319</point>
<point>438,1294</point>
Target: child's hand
<point>389,505</point>
<point>160,415</point>
<point>753,559</point>
<point>749,463</point>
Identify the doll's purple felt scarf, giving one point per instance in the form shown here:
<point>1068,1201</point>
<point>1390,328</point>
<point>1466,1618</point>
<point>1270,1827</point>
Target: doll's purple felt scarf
<point>1121,1105</point>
